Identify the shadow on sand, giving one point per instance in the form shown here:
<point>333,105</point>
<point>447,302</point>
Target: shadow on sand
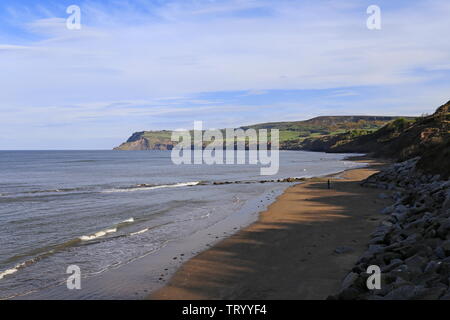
<point>290,252</point>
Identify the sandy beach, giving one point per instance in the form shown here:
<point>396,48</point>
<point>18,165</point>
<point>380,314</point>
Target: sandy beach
<point>300,248</point>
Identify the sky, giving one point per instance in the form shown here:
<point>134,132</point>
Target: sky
<point>163,64</point>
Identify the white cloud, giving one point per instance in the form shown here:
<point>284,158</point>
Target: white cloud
<point>191,47</point>
<point>9,47</point>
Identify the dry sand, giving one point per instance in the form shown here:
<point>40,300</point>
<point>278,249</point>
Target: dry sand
<point>289,253</point>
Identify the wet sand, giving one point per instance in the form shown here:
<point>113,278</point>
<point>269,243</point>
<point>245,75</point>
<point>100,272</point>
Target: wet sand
<point>289,253</point>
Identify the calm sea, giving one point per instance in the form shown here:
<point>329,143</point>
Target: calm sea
<point>102,209</point>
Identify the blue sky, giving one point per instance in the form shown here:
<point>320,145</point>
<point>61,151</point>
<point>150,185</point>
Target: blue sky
<point>155,64</point>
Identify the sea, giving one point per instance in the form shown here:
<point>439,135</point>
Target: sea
<point>102,210</point>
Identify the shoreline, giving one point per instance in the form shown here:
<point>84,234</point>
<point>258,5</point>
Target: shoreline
<point>301,246</point>
<point>148,274</point>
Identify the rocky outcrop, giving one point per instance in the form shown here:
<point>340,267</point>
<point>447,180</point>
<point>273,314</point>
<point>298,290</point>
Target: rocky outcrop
<point>140,144</point>
<point>143,141</point>
<point>143,144</point>
<point>412,244</point>
<point>401,139</point>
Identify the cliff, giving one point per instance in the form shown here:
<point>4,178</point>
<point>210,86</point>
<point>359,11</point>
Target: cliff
<point>148,140</point>
<point>426,137</point>
<point>291,133</point>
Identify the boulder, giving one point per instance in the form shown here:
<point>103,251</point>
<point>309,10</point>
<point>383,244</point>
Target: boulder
<point>348,280</point>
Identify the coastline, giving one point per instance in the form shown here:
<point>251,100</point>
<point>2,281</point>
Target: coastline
<point>143,275</point>
<point>148,274</point>
<point>301,247</point>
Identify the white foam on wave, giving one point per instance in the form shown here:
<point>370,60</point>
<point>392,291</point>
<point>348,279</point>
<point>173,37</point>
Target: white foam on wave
<point>82,238</point>
<point>98,234</point>
<point>139,232</point>
<point>8,272</point>
<point>176,185</point>
<point>182,184</point>
<point>12,270</point>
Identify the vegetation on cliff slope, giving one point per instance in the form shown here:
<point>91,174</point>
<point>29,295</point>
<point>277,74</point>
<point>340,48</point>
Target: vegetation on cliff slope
<point>401,139</point>
<point>291,133</point>
<point>388,137</point>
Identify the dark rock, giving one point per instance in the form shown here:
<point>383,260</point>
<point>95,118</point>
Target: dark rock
<point>374,248</point>
<point>429,293</point>
<point>377,240</point>
<point>389,257</point>
<point>416,263</point>
<point>416,248</point>
<point>348,280</point>
<point>431,267</point>
<point>394,264</point>
<point>387,210</point>
<point>440,253</point>
<point>443,268</point>
<point>412,244</point>
<point>401,293</point>
<point>446,247</point>
<point>402,272</point>
<point>446,296</point>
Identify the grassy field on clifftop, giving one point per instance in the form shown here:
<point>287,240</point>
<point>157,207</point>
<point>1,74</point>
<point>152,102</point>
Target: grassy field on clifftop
<point>291,133</point>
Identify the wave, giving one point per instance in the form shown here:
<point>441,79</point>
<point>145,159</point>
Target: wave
<point>103,233</point>
<point>24,264</point>
<point>50,250</point>
<point>42,253</point>
<point>98,234</point>
<point>12,270</point>
<point>141,187</point>
<point>32,194</point>
<point>139,232</point>
<point>60,191</point>
<point>53,190</point>
<point>45,252</point>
